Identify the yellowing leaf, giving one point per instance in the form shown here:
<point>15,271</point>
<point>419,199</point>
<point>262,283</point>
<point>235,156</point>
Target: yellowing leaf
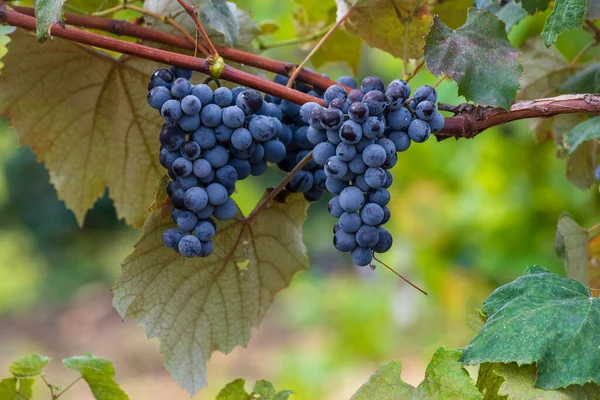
<point>382,24</point>
<point>197,306</point>
<point>85,116</point>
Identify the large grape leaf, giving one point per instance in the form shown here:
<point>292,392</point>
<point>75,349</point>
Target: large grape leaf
<point>15,389</point>
<point>382,24</point>
<point>85,116</point>
<point>477,56</point>
<point>99,374</point>
<point>29,366</point>
<point>518,384</point>
<point>445,378</point>
<point>508,12</point>
<point>47,12</point>
<point>533,6</point>
<point>572,247</point>
<point>224,22</point>
<point>567,15</point>
<point>542,318</point>
<point>197,306</point>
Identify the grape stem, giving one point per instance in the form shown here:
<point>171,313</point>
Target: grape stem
<point>214,54</point>
<point>318,46</point>
<point>401,277</point>
<point>468,122</point>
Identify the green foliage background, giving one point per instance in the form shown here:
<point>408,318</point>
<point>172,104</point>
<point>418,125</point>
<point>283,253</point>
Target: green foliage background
<point>467,216</point>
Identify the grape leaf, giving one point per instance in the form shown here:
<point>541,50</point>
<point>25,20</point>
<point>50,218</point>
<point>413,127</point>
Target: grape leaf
<point>477,56</point>
<point>488,382</point>
<point>510,12</point>
<point>224,22</point>
<point>85,116</point>
<point>533,6</point>
<point>8,389</point>
<point>587,130</point>
<point>519,385</point>
<point>99,374</point>
<point>47,12</point>
<point>26,387</point>
<point>445,378</point>
<point>572,247</point>
<point>233,391</point>
<point>197,306</point>
<point>28,366</point>
<point>581,165</point>
<point>586,81</point>
<point>266,391</point>
<point>543,70</point>
<point>382,24</point>
<point>567,15</point>
<point>5,30</point>
<point>542,318</point>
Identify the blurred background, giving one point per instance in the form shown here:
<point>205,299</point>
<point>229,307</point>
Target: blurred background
<point>467,217</point>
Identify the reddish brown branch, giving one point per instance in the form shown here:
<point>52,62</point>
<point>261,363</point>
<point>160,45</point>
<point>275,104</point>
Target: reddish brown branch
<point>470,120</point>
<point>194,15</point>
<point>165,57</point>
<point>124,28</point>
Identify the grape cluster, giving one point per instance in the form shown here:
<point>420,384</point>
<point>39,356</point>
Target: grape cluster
<point>364,131</point>
<point>210,140</point>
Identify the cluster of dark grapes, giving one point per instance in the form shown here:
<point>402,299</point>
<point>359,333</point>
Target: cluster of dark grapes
<point>210,140</point>
<point>360,134</point>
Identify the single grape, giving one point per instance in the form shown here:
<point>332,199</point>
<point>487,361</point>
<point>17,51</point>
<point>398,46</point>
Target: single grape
<point>226,176</point>
<point>289,108</point>
<point>344,241</point>
<point>235,92</point>
<point>335,186</point>
<point>191,150</point>
<point>399,119</point>
<point>373,127</point>
<point>425,93</point>
<point>274,111</point>
<point>171,238</point>
<point>334,92</point>
<point>241,139</point>
<point>355,96</point>
<point>274,151</point>
<point>385,241</point>
<point>361,183</point>
<point>358,112</point>
<point>340,104</point>
<point>314,118</point>
<point>426,110</point>
<point>217,156</point>
<point>376,102</point>
<point>306,109</point>
<point>182,167</point>
<point>158,96</point>
<point>161,77</point>
<point>204,231</point>
<point>181,72</point>
<point>352,199</point>
<point>400,140</point>
<point>350,132</point>
<point>223,133</point>
<point>357,165</point>
<point>335,167</point>
<point>402,84</point>
<point>375,177</point>
<point>171,110</point>
<point>362,145</point>
<point>211,115</point>
<point>286,135</point>
<point>361,256</point>
<point>371,83</point>
<point>437,122</point>
<point>350,222</point>
<point>386,215</point>
<point>222,96</point>
<point>380,196</point>
<point>262,128</point>
<point>389,147</point>
<point>206,212</point>
<point>333,137</point>
<point>332,118</point>
<point>395,96</point>
<point>226,211</point>
<point>181,88</point>
<point>187,182</point>
<point>177,199</point>
<point>374,155</point>
<point>348,81</point>
<point>203,92</point>
<point>367,236</point>
<point>189,123</point>
<point>302,182</point>
<point>191,105</point>
<point>258,168</point>
<point>419,131</point>
<point>205,137</point>
<point>316,136</point>
<point>217,194</point>
<point>186,221</point>
<point>345,152</point>
<point>195,199</point>
<point>189,246</point>
<point>257,152</point>
<point>371,214</point>
<point>167,158</point>
<point>301,138</point>
<point>233,117</point>
<point>241,166</point>
<point>334,207</point>
<point>201,168</point>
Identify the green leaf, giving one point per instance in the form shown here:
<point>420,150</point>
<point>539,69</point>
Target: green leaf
<point>488,382</point>
<point>197,306</point>
<point>587,130</point>
<point>266,391</point>
<point>533,6</point>
<point>234,391</point>
<point>581,165</point>
<point>510,13</point>
<point>26,387</point>
<point>567,15</point>
<point>8,389</point>
<point>586,81</point>
<point>5,30</point>
<point>99,374</point>
<point>28,366</point>
<point>47,12</point>
<point>93,131</point>
<point>382,24</point>
<point>477,56</point>
<point>445,378</point>
<point>519,385</point>
<point>542,318</point>
<point>572,247</point>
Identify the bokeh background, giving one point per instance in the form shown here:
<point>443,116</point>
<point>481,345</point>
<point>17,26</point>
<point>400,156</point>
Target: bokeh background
<point>467,217</point>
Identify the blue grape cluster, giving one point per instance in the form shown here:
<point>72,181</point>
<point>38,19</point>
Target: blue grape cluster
<point>363,131</point>
<point>210,140</point>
